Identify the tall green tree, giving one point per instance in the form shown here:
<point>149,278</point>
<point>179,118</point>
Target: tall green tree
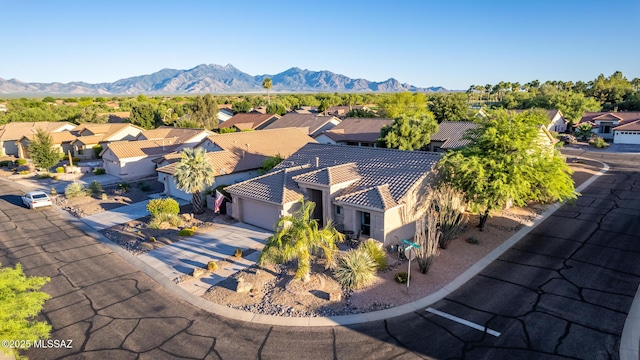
<point>297,237</point>
<point>91,115</point>
<point>42,152</point>
<point>573,105</point>
<point>409,133</point>
<point>241,107</point>
<point>204,111</point>
<point>449,107</point>
<point>193,174</point>
<point>144,114</point>
<point>505,164</point>
<point>20,303</point>
<point>276,108</point>
<point>405,103</point>
<point>267,84</point>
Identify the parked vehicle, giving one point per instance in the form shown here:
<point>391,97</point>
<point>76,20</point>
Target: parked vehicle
<point>36,199</point>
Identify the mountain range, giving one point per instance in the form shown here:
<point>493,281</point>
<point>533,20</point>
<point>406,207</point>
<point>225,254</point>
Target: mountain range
<point>215,79</point>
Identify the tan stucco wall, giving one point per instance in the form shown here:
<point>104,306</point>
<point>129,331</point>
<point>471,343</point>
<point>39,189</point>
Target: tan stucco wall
<point>395,228</point>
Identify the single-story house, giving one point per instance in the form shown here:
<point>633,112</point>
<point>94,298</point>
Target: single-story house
<point>61,140</point>
<point>249,121</point>
<point>12,133</point>
<point>450,135</point>
<point>629,133</point>
<point>355,131</point>
<point>235,156</point>
<point>136,159</point>
<point>117,117</point>
<point>608,125</point>
<point>313,124</point>
<point>90,135</point>
<point>224,113</point>
<point>370,191</point>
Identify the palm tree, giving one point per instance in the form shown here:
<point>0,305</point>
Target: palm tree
<point>193,175</point>
<point>267,84</point>
<point>297,236</point>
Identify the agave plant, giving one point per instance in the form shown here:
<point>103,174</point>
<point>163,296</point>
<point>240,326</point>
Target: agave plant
<point>356,269</point>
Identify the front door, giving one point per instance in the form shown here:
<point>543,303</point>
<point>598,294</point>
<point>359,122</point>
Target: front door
<point>365,223</point>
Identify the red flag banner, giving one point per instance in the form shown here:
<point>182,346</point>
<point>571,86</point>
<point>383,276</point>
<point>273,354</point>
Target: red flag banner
<point>218,201</point>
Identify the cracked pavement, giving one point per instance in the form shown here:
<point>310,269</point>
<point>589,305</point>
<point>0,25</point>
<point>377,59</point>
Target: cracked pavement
<point>563,291</point>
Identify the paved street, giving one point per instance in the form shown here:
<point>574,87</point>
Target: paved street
<point>563,291</point>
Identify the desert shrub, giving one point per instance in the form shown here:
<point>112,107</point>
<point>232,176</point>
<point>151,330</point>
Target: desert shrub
<point>163,206</point>
<point>54,191</point>
<point>144,186</point>
<point>124,186</point>
<point>187,231</point>
<point>172,219</point>
<point>402,277</point>
<point>75,159</point>
<point>59,169</point>
<point>377,253</point>
<point>55,177</point>
<point>95,188</point>
<point>237,253</point>
<point>97,150</point>
<point>152,239</point>
<point>24,172</point>
<point>44,176</point>
<point>227,130</point>
<point>99,171</point>
<point>212,266</point>
<point>20,162</point>
<point>75,190</point>
<point>5,163</point>
<point>356,269</point>
<point>450,207</point>
<point>473,240</point>
<point>104,196</point>
<point>599,143</point>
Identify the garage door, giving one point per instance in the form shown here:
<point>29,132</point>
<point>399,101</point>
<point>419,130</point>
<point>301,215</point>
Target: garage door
<point>260,214</point>
<point>627,137</point>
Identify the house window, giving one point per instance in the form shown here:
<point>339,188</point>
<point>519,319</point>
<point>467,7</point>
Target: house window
<point>605,129</point>
<point>365,223</point>
<point>338,210</point>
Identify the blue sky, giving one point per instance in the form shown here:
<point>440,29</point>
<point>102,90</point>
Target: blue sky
<point>453,43</point>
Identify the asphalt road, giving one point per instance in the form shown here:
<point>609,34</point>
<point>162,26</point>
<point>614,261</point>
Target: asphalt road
<point>563,291</point>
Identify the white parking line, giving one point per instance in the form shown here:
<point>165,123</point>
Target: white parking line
<point>463,321</point>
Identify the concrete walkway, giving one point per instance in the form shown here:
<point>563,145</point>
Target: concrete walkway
<point>182,257</point>
<point>120,215</point>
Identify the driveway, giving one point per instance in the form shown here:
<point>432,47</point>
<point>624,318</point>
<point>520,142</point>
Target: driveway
<point>182,257</point>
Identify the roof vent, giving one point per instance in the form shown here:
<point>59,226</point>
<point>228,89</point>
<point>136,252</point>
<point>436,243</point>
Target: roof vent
<point>317,161</point>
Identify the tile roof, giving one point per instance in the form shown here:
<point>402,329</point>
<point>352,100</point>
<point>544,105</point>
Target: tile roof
<point>331,175</point>
<point>141,148</point>
<point>378,197</point>
<point>16,130</point>
<point>358,129</point>
<point>311,122</point>
<point>57,137</point>
<point>629,126</point>
<point>254,119</point>
<point>87,140</point>
<point>451,132</point>
<point>180,134</point>
<point>397,169</point>
<point>276,186</point>
<point>106,130</point>
<point>243,151</point>
<point>622,116</point>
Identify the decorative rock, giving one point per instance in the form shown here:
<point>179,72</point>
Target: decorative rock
<point>242,287</point>
<point>198,272</point>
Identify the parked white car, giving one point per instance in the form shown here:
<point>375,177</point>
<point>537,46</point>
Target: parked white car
<point>36,199</point>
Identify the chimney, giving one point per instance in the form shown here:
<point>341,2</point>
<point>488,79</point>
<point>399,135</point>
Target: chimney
<point>317,161</point>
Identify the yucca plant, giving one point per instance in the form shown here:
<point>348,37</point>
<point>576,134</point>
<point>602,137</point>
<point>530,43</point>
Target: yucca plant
<point>377,253</point>
<point>450,207</point>
<point>75,190</point>
<point>356,269</point>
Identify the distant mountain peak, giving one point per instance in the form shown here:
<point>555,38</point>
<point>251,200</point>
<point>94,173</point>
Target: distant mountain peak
<point>213,78</point>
